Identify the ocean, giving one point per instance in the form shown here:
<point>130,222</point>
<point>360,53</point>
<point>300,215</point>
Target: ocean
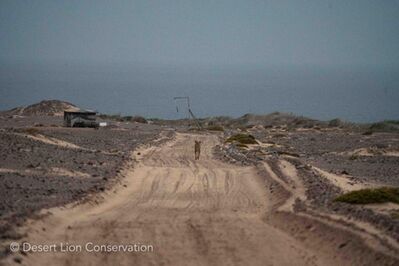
<point>358,94</point>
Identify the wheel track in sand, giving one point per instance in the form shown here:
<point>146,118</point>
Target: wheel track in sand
<point>202,212</point>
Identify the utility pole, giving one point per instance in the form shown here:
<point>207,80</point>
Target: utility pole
<point>188,109</point>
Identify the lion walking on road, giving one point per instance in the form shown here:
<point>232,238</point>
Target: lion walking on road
<point>197,149</point>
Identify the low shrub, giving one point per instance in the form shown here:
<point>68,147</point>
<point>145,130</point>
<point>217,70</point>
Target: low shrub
<point>30,131</point>
<point>385,126</point>
<point>215,128</point>
<point>367,133</point>
<point>395,122</point>
<point>353,157</point>
<point>335,122</point>
<point>375,195</point>
<point>119,118</point>
<point>242,138</point>
<point>139,119</point>
<point>395,215</point>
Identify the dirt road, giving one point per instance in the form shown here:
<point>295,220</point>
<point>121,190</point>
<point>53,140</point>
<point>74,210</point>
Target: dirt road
<point>191,212</point>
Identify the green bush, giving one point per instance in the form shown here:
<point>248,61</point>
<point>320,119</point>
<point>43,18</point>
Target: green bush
<point>353,157</point>
<point>139,119</point>
<point>335,122</point>
<point>215,128</point>
<point>395,122</point>
<point>395,215</point>
<point>385,126</point>
<point>242,138</point>
<point>127,118</point>
<point>376,195</point>
<point>116,117</point>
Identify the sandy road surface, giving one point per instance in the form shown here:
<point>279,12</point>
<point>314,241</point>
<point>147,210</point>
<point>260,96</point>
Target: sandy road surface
<point>192,212</point>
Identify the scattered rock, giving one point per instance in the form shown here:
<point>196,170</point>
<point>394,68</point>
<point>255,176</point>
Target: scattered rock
<point>18,260</point>
<point>343,245</point>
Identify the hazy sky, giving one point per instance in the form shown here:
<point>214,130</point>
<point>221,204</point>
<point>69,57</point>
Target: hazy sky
<point>206,32</point>
<point>323,59</point>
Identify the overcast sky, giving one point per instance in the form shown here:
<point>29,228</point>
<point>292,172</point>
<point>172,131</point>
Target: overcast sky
<point>322,59</point>
<point>163,32</point>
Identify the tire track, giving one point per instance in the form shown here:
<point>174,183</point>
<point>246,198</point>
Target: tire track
<point>193,212</point>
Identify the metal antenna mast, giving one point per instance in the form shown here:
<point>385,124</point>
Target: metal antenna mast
<point>189,109</point>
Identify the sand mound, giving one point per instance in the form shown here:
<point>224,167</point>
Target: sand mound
<point>46,107</point>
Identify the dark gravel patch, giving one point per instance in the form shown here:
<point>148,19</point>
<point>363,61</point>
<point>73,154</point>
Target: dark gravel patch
<point>109,140</point>
<point>23,121</point>
<point>321,195</point>
<point>380,169</point>
<point>20,152</point>
<point>32,187</point>
<point>323,149</point>
<point>315,148</point>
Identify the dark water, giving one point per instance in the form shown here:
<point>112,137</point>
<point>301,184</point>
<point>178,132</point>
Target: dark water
<point>355,94</point>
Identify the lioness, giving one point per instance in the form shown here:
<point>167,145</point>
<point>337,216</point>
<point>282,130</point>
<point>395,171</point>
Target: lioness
<point>197,149</point>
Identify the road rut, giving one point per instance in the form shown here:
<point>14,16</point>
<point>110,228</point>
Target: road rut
<point>203,212</point>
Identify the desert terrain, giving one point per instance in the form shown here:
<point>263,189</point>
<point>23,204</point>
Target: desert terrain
<point>264,191</point>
